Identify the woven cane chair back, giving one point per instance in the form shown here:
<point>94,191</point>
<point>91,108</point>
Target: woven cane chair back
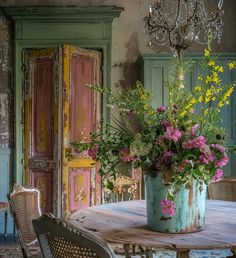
<point>124,189</point>
<point>58,239</point>
<point>225,189</point>
<point>25,205</point>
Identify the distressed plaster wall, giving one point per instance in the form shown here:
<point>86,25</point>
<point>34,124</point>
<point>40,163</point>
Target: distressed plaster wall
<point>128,43</point>
<point>6,92</point>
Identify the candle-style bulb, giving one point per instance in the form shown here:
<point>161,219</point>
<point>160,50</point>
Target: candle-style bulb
<point>150,9</point>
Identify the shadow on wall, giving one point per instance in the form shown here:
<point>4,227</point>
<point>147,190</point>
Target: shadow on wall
<point>129,68</point>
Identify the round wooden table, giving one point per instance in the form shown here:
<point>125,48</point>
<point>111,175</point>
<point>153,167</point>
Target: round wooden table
<point>126,223</point>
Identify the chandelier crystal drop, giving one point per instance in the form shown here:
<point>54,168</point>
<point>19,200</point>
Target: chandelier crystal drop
<point>180,23</point>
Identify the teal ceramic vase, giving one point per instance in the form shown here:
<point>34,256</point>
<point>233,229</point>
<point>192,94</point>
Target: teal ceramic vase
<point>190,207</point>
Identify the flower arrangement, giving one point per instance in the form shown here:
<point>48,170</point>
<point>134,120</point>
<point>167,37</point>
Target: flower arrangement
<point>182,141</point>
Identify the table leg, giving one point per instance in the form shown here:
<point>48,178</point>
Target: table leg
<point>5,225</point>
<point>149,253</point>
<point>126,249</point>
<point>233,249</point>
<point>183,254</point>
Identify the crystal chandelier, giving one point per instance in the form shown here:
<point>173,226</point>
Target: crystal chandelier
<point>184,23</point>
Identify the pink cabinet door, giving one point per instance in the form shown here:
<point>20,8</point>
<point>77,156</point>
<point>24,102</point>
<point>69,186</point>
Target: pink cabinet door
<point>81,113</point>
<point>79,188</point>
<point>40,122</point>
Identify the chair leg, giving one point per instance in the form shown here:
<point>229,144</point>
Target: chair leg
<point>126,249</point>
<point>183,254</point>
<point>149,253</point>
<point>5,224</point>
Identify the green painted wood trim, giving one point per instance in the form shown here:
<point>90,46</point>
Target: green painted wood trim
<point>168,56</point>
<point>67,13</point>
<point>18,129</point>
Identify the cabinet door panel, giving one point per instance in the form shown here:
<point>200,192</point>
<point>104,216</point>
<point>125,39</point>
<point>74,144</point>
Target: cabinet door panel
<point>79,188</point>
<point>43,181</point>
<point>41,123</point>
<point>81,113</point>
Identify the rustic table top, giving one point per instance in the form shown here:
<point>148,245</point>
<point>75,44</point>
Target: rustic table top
<point>126,223</point>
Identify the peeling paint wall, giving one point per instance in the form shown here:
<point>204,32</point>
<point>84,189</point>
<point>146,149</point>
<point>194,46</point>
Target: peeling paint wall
<point>6,92</point>
<point>128,43</point>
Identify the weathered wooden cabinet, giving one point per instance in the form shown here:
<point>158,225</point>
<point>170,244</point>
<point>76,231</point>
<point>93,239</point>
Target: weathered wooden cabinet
<point>155,69</point>
<point>58,109</point>
<point>52,103</point>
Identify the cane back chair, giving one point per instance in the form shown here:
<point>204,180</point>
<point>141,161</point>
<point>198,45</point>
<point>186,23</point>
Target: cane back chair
<point>224,189</point>
<point>58,239</point>
<point>125,188</point>
<point>4,209</point>
<point>25,206</point>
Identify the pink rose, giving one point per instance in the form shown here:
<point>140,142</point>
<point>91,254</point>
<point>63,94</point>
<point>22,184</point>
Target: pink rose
<point>172,134</point>
<point>125,155</point>
<point>168,208</point>
<point>222,162</point>
<point>206,158</point>
<point>167,156</point>
<point>161,109</point>
<point>218,175</point>
<point>218,147</point>
<point>188,145</point>
<point>92,151</point>
<point>165,123</point>
<point>193,129</point>
<point>199,142</point>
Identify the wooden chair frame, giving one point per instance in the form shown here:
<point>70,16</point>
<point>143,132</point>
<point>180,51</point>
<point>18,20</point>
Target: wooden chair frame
<point>28,243</point>
<point>62,234</point>
<point>123,185</point>
<point>224,189</point>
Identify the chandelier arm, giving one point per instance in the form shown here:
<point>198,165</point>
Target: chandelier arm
<point>220,4</point>
<point>170,40</point>
<point>158,26</point>
<point>209,21</point>
<point>194,12</point>
<point>177,15</point>
<point>165,22</point>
